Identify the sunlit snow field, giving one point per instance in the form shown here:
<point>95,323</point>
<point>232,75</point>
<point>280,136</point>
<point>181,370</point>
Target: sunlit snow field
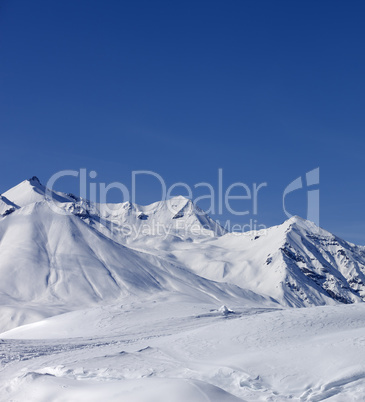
<point>174,349</point>
<point>88,313</point>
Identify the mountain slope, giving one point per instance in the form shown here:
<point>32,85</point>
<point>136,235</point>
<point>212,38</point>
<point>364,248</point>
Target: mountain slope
<point>49,259</point>
<point>296,263</point>
<point>32,190</point>
<point>72,253</point>
<point>181,315</point>
<point>116,352</point>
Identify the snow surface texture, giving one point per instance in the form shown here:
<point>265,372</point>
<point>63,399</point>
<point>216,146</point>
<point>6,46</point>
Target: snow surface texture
<point>91,311</point>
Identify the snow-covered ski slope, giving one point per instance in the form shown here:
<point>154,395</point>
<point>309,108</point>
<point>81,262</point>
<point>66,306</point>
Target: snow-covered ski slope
<point>159,303</point>
<point>172,349</point>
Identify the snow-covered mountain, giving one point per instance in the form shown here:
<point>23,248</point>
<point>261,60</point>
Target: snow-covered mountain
<point>296,263</point>
<point>53,262</point>
<point>71,253</point>
<point>32,190</point>
<point>126,221</point>
<point>158,303</point>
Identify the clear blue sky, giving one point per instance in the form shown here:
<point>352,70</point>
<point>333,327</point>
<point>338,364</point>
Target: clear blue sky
<point>265,90</point>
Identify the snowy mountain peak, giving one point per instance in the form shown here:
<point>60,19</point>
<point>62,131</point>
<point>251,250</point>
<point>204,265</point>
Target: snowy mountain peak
<point>180,197</point>
<point>296,219</point>
<point>26,192</point>
<point>32,190</point>
<point>175,216</point>
<point>304,226</point>
<point>180,205</point>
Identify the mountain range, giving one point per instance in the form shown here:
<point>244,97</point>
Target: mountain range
<point>158,303</point>
<point>69,253</point>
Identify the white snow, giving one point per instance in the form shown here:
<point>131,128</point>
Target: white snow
<point>173,349</point>
<point>30,191</point>
<point>175,309</point>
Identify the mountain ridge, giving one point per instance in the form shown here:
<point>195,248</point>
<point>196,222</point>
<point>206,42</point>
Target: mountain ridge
<point>73,252</point>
